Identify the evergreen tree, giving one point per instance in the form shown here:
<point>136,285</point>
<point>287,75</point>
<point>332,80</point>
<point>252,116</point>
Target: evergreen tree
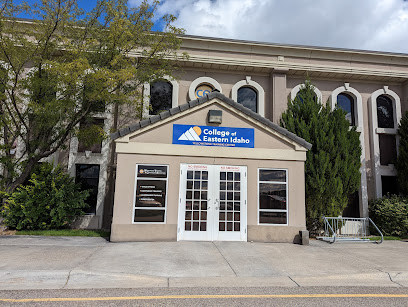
<point>333,163</point>
<point>402,160</point>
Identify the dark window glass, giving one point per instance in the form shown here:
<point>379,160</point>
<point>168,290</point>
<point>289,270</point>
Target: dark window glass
<point>272,217</point>
<point>389,185</point>
<point>44,87</point>
<point>156,216</point>
<point>388,149</point>
<point>385,112</point>
<point>90,128</point>
<point>272,196</point>
<point>161,93</point>
<point>272,175</point>
<point>88,176</point>
<point>302,93</point>
<point>91,99</point>
<point>346,103</point>
<point>248,97</point>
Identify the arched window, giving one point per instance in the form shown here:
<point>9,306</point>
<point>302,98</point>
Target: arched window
<point>161,93</point>
<point>202,86</point>
<point>250,94</point>
<point>385,112</point>
<point>346,103</point>
<point>298,88</point>
<point>301,94</point>
<point>248,97</point>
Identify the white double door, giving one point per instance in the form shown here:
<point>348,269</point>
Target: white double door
<point>212,203</point>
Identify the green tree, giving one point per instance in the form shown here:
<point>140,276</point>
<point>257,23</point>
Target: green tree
<point>65,65</point>
<point>402,160</point>
<point>333,163</point>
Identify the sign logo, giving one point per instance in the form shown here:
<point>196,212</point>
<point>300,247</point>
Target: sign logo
<point>203,90</point>
<point>192,134</point>
<point>213,136</point>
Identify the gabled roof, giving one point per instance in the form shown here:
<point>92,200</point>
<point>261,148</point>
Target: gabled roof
<point>202,100</point>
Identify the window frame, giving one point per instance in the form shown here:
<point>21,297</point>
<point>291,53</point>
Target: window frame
<point>99,180</point>
<point>199,81</point>
<point>378,169</point>
<point>248,82</point>
<point>273,182</point>
<point>146,95</point>
<point>150,208</point>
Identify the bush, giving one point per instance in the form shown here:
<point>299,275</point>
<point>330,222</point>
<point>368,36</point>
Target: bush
<point>50,200</point>
<point>390,214</point>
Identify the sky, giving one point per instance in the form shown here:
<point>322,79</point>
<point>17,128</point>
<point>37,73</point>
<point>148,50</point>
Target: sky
<point>380,25</point>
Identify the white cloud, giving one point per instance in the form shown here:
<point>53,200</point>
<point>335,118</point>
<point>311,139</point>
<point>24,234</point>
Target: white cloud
<point>358,24</point>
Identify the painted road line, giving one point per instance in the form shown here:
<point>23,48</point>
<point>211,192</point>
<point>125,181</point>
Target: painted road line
<point>164,297</point>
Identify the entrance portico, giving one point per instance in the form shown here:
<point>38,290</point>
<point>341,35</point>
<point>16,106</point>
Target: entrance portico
<point>180,177</point>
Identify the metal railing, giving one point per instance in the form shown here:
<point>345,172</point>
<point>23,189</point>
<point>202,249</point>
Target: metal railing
<point>348,229</point>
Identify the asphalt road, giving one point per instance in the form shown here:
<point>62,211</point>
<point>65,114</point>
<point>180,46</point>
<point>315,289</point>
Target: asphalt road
<point>268,296</point>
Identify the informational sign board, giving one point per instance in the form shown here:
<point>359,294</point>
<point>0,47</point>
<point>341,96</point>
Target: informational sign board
<point>150,194</point>
<point>213,136</point>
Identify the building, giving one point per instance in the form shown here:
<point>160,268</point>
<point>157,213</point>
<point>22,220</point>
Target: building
<point>371,86</point>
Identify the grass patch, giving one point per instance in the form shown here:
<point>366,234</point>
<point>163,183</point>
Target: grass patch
<point>65,232</point>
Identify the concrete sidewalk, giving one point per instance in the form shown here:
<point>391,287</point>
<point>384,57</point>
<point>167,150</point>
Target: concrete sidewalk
<point>30,262</point>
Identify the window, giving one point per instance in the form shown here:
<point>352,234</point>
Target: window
<point>248,97</point>
<point>90,100</point>
<point>273,189</point>
<point>346,103</point>
<point>88,176</point>
<point>150,194</point>
<point>44,87</point>
<point>388,148</point>
<point>302,93</point>
<point>385,112</point>
<point>205,84</point>
<point>298,89</point>
<point>250,94</point>
<point>161,94</point>
<point>203,90</point>
<point>389,185</point>
<point>91,128</point>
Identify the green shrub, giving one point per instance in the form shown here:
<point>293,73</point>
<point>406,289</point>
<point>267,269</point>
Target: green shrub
<point>390,214</point>
<point>50,200</point>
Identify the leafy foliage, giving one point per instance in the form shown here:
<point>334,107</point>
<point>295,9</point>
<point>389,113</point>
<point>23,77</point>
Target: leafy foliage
<point>402,160</point>
<point>333,163</point>
<point>64,66</point>
<point>390,214</point>
<point>50,200</point>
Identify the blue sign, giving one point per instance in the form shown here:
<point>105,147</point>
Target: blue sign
<point>213,136</point>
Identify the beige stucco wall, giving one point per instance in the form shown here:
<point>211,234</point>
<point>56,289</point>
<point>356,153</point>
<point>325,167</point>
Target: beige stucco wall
<point>124,230</point>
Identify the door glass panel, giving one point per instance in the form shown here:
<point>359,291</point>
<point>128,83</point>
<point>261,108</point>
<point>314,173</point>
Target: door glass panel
<point>196,201</point>
<point>230,188</point>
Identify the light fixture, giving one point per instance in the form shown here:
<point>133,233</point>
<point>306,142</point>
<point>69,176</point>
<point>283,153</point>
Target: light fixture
<point>215,116</point>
